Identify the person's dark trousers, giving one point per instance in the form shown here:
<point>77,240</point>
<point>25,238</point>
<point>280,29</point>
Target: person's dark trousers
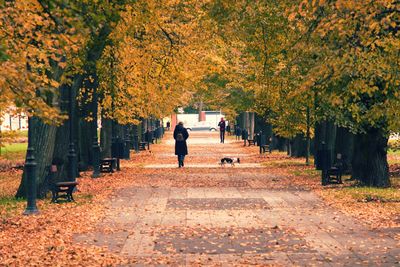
<point>222,136</point>
<point>181,159</point>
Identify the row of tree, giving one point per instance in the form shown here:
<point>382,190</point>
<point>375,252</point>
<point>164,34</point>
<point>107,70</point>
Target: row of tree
<point>320,66</point>
<point>69,63</point>
<point>301,65</point>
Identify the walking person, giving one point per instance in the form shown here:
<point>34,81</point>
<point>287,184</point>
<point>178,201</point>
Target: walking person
<point>180,136</point>
<point>168,125</point>
<point>238,132</point>
<point>222,126</point>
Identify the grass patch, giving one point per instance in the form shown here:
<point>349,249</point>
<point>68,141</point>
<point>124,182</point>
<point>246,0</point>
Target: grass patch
<point>394,152</point>
<point>9,182</point>
<point>393,157</point>
<point>22,133</point>
<point>14,148</point>
<point>283,163</point>
<point>10,201</point>
<point>16,151</point>
<point>371,194</point>
<point>307,172</point>
<point>9,205</point>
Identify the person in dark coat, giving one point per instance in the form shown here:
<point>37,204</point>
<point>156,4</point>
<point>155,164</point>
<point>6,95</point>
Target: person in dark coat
<point>180,136</point>
<point>222,126</point>
<point>238,132</point>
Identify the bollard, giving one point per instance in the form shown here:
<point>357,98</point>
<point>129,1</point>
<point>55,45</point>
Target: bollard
<point>136,143</point>
<point>127,146</point>
<point>323,163</point>
<point>30,166</point>
<point>118,164</point>
<point>72,169</point>
<point>96,158</point>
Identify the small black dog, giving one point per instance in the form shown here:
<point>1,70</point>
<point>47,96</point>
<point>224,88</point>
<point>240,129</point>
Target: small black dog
<point>229,161</point>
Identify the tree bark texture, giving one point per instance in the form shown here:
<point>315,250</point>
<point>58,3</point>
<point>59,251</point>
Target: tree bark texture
<point>106,137</point>
<point>42,139</point>
<point>369,165</point>
<point>298,146</point>
<point>325,132</point>
<point>280,143</point>
<point>61,146</point>
<point>345,146</point>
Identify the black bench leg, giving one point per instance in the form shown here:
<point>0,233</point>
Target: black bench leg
<point>69,194</point>
<point>54,196</point>
<point>339,178</point>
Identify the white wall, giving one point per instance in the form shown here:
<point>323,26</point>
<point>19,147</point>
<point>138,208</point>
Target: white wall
<point>17,122</point>
<point>193,119</point>
<point>188,119</point>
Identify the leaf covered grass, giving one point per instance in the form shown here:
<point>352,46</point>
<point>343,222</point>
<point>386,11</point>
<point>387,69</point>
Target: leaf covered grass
<point>371,194</point>
<point>14,152</point>
<point>393,157</point>
<point>9,182</point>
<point>9,206</point>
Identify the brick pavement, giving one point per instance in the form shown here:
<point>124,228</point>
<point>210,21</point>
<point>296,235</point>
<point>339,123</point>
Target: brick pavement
<point>229,216</point>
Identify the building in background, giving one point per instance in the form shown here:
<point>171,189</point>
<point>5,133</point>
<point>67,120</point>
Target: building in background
<point>11,122</point>
<point>207,120</point>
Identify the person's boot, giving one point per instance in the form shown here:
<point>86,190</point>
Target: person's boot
<point>180,163</point>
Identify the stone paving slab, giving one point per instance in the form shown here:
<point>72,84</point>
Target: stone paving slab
<point>217,203</point>
<point>322,240</point>
<point>204,166</point>
<point>231,241</point>
<point>210,215</point>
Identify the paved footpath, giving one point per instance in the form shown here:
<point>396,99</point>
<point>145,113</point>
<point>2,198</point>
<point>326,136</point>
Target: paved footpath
<point>205,214</point>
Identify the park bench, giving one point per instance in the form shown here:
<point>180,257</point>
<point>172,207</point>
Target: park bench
<point>251,142</point>
<point>334,173</point>
<point>63,187</point>
<point>142,145</point>
<point>108,165</point>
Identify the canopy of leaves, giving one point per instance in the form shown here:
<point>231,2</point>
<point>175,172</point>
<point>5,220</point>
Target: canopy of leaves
<point>333,59</point>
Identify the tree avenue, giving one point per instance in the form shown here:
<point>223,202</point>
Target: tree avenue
<point>304,66</point>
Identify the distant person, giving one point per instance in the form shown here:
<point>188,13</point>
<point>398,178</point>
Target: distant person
<point>245,136</point>
<point>222,126</point>
<point>168,125</point>
<point>270,145</point>
<point>228,129</point>
<point>180,136</point>
<point>238,132</point>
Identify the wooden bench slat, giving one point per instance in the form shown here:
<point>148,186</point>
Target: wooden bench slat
<point>66,183</point>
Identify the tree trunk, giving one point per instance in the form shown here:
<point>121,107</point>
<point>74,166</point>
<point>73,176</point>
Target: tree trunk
<point>85,144</point>
<point>106,137</point>
<point>86,129</point>
<point>298,146</point>
<point>61,145</point>
<point>200,109</point>
<point>308,138</point>
<point>280,143</point>
<point>370,164</point>
<point>345,146</point>
<point>42,139</point>
<point>325,132</point>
